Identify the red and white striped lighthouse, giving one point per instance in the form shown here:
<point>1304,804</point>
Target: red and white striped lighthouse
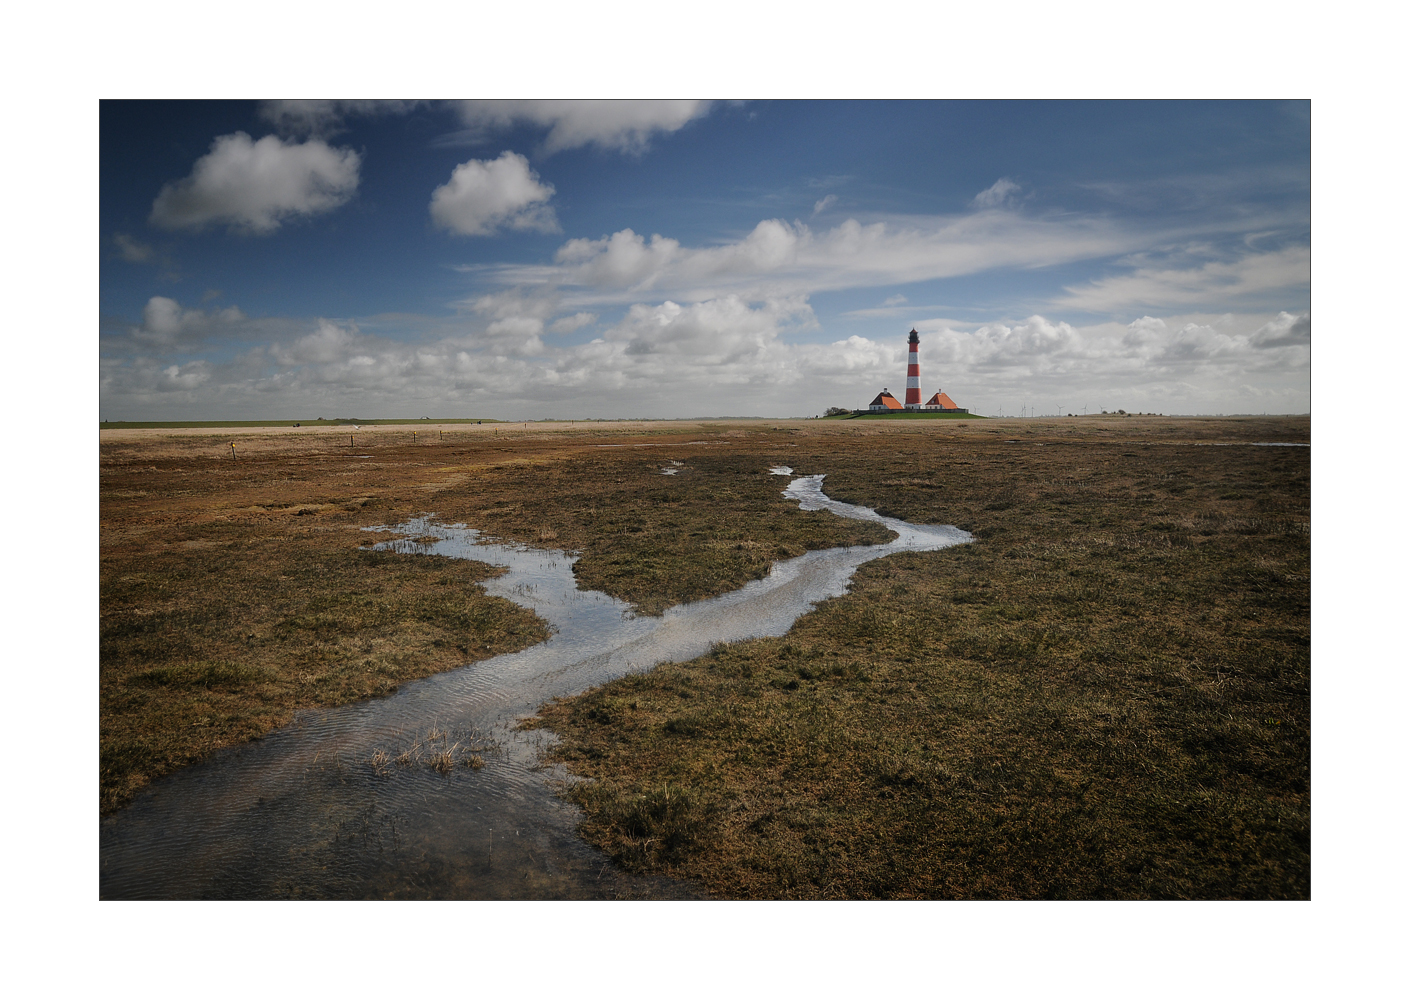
<point>913,373</point>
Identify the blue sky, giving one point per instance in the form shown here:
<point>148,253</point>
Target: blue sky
<point>676,259</point>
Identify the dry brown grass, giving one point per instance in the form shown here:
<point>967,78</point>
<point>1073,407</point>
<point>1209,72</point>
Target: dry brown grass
<point>204,646</point>
<point>439,749</point>
<point>1106,695</point>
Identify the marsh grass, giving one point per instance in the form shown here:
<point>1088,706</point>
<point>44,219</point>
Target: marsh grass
<point>655,540</point>
<point>1105,696</point>
<point>659,825</point>
<point>202,647</point>
<point>441,750</point>
<point>234,594</point>
<point>201,674</point>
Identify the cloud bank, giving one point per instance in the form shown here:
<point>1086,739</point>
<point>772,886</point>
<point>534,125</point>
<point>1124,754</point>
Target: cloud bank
<point>781,258</point>
<point>1229,281</point>
<point>720,356</point>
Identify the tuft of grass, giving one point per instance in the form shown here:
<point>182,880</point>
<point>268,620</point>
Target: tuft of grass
<point>659,825</point>
<point>441,750</point>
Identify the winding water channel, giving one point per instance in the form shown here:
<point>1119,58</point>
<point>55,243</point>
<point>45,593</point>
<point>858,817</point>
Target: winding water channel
<point>308,812</point>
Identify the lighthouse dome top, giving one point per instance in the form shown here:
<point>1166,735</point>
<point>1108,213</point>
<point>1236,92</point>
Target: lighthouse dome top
<point>914,338</point>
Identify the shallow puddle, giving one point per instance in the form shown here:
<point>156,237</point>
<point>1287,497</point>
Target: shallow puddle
<point>431,793</point>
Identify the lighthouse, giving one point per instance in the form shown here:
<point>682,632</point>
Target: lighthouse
<point>885,403</point>
<point>913,373</point>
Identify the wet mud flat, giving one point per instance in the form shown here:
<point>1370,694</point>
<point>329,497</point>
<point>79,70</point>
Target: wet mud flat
<point>434,792</point>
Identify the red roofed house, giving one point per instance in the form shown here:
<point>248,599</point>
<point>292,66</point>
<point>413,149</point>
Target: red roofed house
<point>943,403</point>
<point>885,402</point>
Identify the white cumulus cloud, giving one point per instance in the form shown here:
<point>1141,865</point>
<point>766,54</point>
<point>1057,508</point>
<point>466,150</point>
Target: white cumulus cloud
<point>514,302</point>
<point>177,378</point>
<point>1286,330</point>
<point>517,320</point>
<point>1034,343</point>
<point>329,343</point>
<point>575,322</point>
<point>721,331</point>
<point>621,260</point>
<point>165,324</point>
<point>483,196</point>
<point>255,186</point>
